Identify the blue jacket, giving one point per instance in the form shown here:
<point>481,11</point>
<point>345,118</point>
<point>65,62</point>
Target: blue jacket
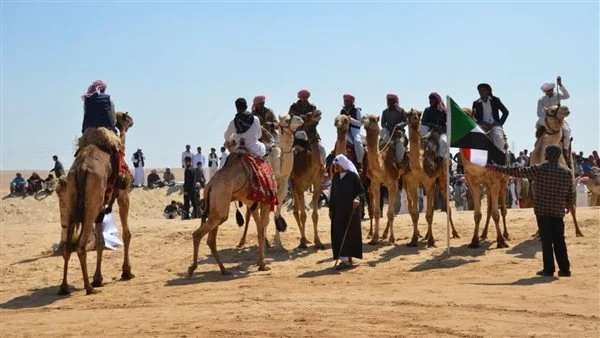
<point>97,111</point>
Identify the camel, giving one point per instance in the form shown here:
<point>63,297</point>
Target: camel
<point>85,197</point>
<point>496,190</point>
<point>593,185</point>
<point>342,146</point>
<point>524,192</point>
<point>308,171</point>
<point>383,169</point>
<point>419,174</point>
<point>230,183</point>
<point>555,116</point>
<point>282,160</point>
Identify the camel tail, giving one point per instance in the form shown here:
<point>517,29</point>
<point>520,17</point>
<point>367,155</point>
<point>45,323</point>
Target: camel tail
<point>79,212</point>
<point>206,209</point>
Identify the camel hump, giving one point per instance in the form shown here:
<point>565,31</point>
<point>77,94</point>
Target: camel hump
<point>101,137</point>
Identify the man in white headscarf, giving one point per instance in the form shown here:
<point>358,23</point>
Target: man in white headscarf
<point>551,99</point>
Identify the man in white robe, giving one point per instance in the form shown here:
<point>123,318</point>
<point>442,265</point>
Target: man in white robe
<point>246,126</point>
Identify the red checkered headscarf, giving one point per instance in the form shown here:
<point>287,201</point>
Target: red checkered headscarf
<point>97,86</point>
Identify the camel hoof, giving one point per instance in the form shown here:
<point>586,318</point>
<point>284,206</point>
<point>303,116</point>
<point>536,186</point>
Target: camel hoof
<point>302,245</point>
<point>483,238</point>
<point>225,273</point>
<point>319,246</point>
<point>97,283</point>
<point>91,291</point>
<point>64,291</point>
<point>474,245</point>
<point>506,237</point>
<point>267,244</point>
<point>263,268</point>
<point>374,240</point>
<point>241,245</point>
<point>431,244</point>
<point>392,240</point>
<point>579,234</point>
<point>191,270</point>
<point>412,244</point>
<point>455,235</point>
<point>502,245</point>
<point>127,275</point>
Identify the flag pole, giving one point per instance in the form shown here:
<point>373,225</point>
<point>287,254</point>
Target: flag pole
<point>448,138</point>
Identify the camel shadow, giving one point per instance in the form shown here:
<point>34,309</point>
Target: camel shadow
<point>212,276</point>
<point>174,189</point>
<point>396,250</point>
<point>37,298</point>
<point>22,195</point>
<point>455,260</point>
<point>523,281</point>
<point>526,249</point>
<point>328,271</point>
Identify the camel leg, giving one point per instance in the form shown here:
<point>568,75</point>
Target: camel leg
<point>444,193</point>
<point>488,215</point>
<point>92,209</point>
<point>429,215</point>
<point>261,225</point>
<point>212,244</point>
<point>64,286</point>
<point>393,192</point>
<point>123,201</point>
<point>476,194</point>
<point>315,213</point>
<point>246,223</point>
<point>300,216</point>
<point>282,187</point>
<point>578,232</point>
<point>375,188</point>
<point>413,208</point>
<point>503,211</point>
<point>496,216</point>
<point>97,282</point>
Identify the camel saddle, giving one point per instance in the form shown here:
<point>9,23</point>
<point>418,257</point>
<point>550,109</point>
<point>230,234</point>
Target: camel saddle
<point>430,146</point>
<point>110,143</point>
<point>264,185</point>
<point>390,141</point>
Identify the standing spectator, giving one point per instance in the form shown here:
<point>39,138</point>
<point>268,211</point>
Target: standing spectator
<point>587,166</point>
<point>58,167</point>
<point>138,159</point>
<point>186,153</point>
<point>460,192</point>
<point>553,197</point>
<point>526,154</point>
<point>17,186</point>
<point>223,159</point>
<point>189,189</point>
<point>199,178</point>
<point>199,157</point>
<point>169,178</point>
<point>596,158</point>
<point>578,166</point>
<point>213,164</point>
<point>154,180</point>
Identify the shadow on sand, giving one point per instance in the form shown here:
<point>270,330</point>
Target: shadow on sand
<point>526,249</point>
<point>523,281</point>
<point>37,298</point>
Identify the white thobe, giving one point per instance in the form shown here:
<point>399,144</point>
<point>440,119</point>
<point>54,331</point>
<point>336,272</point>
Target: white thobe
<point>251,138</point>
<point>184,155</point>
<point>138,174</point>
<point>223,158</point>
<point>199,158</point>
<point>547,101</point>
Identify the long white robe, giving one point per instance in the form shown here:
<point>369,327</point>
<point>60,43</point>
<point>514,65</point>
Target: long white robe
<point>251,138</point>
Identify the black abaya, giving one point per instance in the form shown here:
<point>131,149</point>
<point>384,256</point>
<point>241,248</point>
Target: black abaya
<point>343,192</point>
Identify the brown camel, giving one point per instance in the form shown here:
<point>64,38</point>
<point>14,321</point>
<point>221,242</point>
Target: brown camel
<point>383,169</point>
<point>419,174</point>
<point>282,161</point>
<point>523,192</point>
<point>555,115</point>
<point>308,171</point>
<point>497,190</point>
<point>593,185</point>
<point>231,183</point>
<point>86,184</point>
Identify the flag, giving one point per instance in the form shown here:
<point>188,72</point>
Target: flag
<point>467,135</point>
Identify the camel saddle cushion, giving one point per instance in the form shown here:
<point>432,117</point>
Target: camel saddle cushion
<point>264,185</point>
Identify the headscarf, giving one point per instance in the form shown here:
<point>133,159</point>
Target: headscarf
<point>345,163</point>
<point>440,105</point>
<point>303,93</point>
<point>349,97</point>
<point>395,98</point>
<point>258,100</point>
<point>485,85</point>
<point>553,153</point>
<point>97,86</point>
<point>243,120</point>
<point>547,86</point>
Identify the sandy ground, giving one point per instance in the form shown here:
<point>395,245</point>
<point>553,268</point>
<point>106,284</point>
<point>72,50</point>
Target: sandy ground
<point>394,291</point>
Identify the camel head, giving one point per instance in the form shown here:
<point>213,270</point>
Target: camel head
<point>371,123</point>
<point>414,117</point>
<point>124,121</point>
<point>312,119</point>
<point>342,124</point>
<point>291,123</point>
<point>557,112</point>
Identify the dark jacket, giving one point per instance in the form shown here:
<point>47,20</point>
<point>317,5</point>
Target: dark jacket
<point>435,119</point>
<point>97,111</point>
<point>58,169</point>
<point>391,117</point>
<point>189,180</point>
<point>299,109</point>
<point>496,104</point>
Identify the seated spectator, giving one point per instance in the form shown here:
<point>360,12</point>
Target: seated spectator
<point>154,180</point>
<point>34,183</point>
<point>172,210</point>
<point>578,166</point>
<point>169,178</point>
<point>18,184</point>
<point>587,166</point>
<point>460,193</point>
<point>50,184</point>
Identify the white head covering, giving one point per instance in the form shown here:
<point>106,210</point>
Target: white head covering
<point>345,163</point>
<point>547,86</point>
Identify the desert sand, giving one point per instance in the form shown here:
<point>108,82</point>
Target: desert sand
<point>394,291</point>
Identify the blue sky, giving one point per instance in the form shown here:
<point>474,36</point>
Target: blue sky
<point>178,67</point>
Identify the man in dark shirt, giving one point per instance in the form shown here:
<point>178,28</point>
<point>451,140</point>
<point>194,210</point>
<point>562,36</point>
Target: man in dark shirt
<point>189,189</point>
<point>154,180</point>
<point>390,118</point>
<point>303,107</point>
<point>487,111</point>
<point>265,115</point>
<point>58,167</point>
<point>434,118</point>
<point>554,196</point>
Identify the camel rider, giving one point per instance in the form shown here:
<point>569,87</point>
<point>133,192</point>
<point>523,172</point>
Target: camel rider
<point>552,99</point>
<point>247,127</point>
<point>486,110</point>
<point>303,107</point>
<point>266,116</point>
<point>390,118</point>
<point>349,109</point>
<point>434,118</point>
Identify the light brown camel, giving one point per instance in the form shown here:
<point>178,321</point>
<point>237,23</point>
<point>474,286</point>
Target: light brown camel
<point>308,171</point>
<point>85,195</point>
<point>523,192</point>
<point>497,189</point>
<point>383,169</point>
<point>230,183</point>
<point>593,185</point>
<point>553,122</point>
<point>417,175</point>
<point>282,161</point>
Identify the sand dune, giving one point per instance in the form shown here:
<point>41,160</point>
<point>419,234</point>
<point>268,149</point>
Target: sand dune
<point>394,291</point>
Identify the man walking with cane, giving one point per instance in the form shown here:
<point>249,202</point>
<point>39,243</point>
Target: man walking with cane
<point>346,238</point>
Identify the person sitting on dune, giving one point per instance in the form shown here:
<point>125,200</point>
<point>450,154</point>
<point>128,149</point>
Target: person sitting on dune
<point>154,180</point>
<point>34,183</point>
<point>17,186</point>
<point>169,178</point>
<point>172,210</point>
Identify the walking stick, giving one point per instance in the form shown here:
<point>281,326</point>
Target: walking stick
<point>344,239</point>
<point>557,92</point>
